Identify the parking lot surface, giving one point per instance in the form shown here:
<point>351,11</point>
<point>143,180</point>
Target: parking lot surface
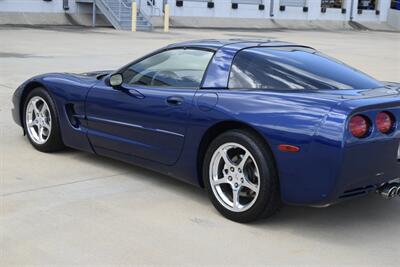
<point>78,208</point>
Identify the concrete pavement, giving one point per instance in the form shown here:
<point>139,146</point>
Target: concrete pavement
<point>75,208</point>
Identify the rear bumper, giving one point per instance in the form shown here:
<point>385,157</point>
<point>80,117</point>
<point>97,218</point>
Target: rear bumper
<point>343,194</point>
<point>357,192</point>
<point>348,171</point>
<point>365,168</point>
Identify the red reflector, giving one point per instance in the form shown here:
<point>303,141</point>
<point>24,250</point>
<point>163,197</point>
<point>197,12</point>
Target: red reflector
<point>359,126</point>
<point>289,148</point>
<point>384,122</point>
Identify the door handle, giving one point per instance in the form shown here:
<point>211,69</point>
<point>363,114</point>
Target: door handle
<point>135,93</point>
<point>131,92</point>
<point>175,100</point>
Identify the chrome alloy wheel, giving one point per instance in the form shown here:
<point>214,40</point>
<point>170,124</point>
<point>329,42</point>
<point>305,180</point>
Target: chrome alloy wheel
<point>38,120</point>
<point>234,177</point>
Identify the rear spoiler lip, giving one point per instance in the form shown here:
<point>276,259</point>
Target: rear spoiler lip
<point>393,85</point>
<point>359,105</point>
<point>386,97</point>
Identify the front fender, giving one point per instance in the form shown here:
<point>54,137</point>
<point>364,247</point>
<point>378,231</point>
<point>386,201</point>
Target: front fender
<point>68,92</point>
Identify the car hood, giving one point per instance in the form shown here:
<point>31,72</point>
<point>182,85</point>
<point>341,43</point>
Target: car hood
<point>95,74</point>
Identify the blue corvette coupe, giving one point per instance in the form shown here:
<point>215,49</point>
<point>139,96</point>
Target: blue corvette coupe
<point>256,123</point>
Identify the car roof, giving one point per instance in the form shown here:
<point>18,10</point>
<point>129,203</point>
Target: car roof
<point>215,44</point>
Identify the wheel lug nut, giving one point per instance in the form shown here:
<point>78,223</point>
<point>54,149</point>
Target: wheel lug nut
<point>232,169</point>
<point>239,170</point>
<point>236,185</point>
<point>230,178</point>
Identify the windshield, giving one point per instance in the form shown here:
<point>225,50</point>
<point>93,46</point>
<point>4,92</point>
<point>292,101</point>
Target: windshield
<point>294,68</point>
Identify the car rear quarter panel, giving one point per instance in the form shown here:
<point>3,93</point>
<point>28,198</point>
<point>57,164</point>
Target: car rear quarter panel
<point>283,118</point>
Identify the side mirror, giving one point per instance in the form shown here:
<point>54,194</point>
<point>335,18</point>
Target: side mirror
<point>115,80</point>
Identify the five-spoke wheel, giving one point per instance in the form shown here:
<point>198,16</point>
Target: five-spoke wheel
<point>38,120</point>
<point>41,122</point>
<point>234,177</point>
<point>240,177</point>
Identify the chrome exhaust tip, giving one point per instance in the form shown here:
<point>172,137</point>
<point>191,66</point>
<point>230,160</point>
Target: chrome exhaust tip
<point>389,191</point>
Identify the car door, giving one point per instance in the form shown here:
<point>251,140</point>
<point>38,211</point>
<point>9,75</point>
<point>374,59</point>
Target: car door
<point>146,116</point>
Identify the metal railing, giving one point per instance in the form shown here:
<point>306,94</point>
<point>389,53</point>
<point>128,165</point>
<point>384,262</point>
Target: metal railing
<point>119,13</point>
<point>118,8</point>
<point>142,11</point>
<point>144,5</point>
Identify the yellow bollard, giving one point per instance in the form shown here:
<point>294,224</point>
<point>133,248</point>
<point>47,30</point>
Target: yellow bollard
<point>134,16</point>
<point>166,18</point>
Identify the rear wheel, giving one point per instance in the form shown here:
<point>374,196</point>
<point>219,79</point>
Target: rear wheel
<point>41,121</point>
<point>240,177</point>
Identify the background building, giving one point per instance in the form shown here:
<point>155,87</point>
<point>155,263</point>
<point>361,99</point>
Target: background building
<point>205,13</point>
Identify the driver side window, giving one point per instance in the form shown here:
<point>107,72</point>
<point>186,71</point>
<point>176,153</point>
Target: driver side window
<point>179,68</point>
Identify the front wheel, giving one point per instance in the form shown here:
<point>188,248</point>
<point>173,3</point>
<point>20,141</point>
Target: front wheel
<point>41,122</point>
<point>240,177</point>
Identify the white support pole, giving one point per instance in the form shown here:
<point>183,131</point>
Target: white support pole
<point>94,14</point>
<point>351,10</point>
<point>271,8</point>
<point>134,16</point>
<point>166,18</point>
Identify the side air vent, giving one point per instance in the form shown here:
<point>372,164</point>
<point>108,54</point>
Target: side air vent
<point>72,117</point>
<point>398,154</point>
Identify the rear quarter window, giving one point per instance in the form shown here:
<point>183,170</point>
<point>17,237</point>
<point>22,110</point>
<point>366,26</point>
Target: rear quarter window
<point>293,69</point>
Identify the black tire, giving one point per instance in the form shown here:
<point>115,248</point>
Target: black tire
<point>268,201</point>
<point>54,142</point>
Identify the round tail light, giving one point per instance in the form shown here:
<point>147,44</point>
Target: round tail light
<point>359,126</point>
<point>384,122</point>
